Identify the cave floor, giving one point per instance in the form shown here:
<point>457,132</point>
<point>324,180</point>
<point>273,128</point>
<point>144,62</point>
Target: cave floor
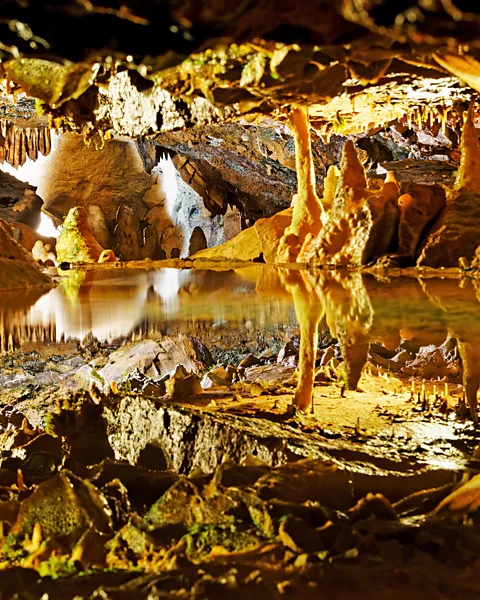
<point>108,490</point>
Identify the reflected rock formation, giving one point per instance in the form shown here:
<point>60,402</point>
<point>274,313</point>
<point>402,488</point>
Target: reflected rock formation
<point>460,307</point>
<point>360,310</point>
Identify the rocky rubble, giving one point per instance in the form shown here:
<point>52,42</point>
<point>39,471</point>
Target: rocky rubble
<point>236,528</point>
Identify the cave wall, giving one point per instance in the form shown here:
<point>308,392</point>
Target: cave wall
<point>148,210</point>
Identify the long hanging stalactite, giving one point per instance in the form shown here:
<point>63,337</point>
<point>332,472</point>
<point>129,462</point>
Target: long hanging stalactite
<point>17,143</point>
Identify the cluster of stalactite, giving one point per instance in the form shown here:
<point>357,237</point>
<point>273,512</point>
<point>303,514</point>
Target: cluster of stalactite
<point>18,331</point>
<point>17,143</point>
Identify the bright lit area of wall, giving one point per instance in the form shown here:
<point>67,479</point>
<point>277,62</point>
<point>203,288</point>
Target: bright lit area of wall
<point>46,227</point>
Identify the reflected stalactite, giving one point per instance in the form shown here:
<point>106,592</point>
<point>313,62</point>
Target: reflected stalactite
<point>19,143</point>
<point>349,316</point>
<point>309,310</point>
<point>16,329</point>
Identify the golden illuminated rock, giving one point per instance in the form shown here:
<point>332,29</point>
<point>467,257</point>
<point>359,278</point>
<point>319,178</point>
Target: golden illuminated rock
<point>461,317</point>
<point>107,256</point>
<point>330,186</point>
<point>363,222</point>
<point>309,310</point>
<point>465,67</point>
<point>43,253</point>
<point>270,231</point>
<point>245,246</point>
<point>260,240</point>
<point>308,210</point>
<point>417,208</point>
<point>349,315</point>
<point>76,243</point>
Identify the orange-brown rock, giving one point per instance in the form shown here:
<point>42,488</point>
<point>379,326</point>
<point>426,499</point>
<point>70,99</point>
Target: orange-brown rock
<point>261,240</point>
<point>17,267</point>
<point>27,237</point>
<point>349,315</point>
<point>98,225</point>
<point>133,242</point>
<point>418,207</point>
<point>270,231</point>
<point>456,233</point>
<point>363,222</point>
<point>245,246</point>
<point>308,210</point>
<point>309,310</point>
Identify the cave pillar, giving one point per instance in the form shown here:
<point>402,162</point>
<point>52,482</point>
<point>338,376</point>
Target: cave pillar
<point>308,210</point>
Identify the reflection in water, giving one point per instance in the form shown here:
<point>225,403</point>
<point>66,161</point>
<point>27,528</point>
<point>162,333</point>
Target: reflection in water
<point>358,308</point>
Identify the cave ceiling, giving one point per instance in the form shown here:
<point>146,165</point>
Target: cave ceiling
<point>143,68</point>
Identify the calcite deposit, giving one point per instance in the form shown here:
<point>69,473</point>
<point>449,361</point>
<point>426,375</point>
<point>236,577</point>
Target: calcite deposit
<point>308,212</point>
<point>362,223</point>
<point>76,243</point>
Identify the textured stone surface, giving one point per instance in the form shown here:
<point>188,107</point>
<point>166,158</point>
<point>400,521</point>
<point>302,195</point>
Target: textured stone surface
<point>18,201</point>
<point>455,235</point>
<point>79,175</point>
<point>76,243</point>
<point>418,207</point>
<point>17,267</point>
<point>152,358</point>
<point>363,222</point>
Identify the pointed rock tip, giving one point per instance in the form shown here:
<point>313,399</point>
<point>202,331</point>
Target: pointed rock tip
<point>352,171</point>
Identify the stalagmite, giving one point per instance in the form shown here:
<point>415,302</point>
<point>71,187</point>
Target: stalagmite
<point>76,243</point>
<point>308,211</point>
<point>469,171</point>
<point>362,223</point>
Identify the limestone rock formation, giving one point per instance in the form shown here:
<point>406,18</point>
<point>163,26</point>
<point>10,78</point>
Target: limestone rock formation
<point>308,212</point>
<point>80,175</point>
<point>133,242</point>
<point>309,310</point>
<point>362,224</point>
<point>245,246</point>
<point>418,207</point>
<point>19,142</point>
<point>76,243</point>
<point>456,234</point>
<point>128,234</point>
<point>19,201</point>
<point>17,267</point>
<point>27,237</point>
<point>98,225</point>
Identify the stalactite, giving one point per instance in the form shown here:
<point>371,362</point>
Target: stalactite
<point>18,143</point>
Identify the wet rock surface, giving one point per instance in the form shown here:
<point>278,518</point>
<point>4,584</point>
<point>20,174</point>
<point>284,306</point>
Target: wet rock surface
<point>166,470</point>
<point>256,522</point>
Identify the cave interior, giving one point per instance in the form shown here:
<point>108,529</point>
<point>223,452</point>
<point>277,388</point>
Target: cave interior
<point>239,299</point>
